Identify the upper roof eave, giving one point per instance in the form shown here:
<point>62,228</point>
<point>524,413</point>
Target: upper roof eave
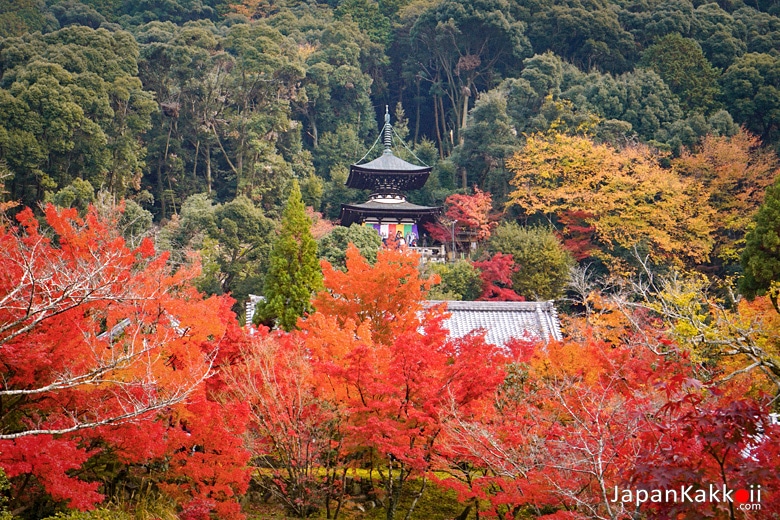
<point>388,162</point>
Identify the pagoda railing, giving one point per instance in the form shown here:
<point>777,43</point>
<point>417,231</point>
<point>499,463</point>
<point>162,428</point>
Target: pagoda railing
<point>435,254</point>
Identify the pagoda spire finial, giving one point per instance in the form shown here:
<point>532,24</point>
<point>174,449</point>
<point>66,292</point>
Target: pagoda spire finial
<point>387,131</point>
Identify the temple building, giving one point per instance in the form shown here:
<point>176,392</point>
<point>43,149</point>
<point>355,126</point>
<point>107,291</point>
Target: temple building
<point>389,178</point>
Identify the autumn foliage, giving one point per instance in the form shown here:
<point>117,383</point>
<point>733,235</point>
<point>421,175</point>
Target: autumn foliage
<point>395,379</point>
<point>367,382</point>
<point>105,349</point>
<point>576,420</point>
<point>472,215</point>
<point>734,173</point>
<point>369,394</point>
<point>496,273</point>
<point>623,197</point>
<point>387,296</point>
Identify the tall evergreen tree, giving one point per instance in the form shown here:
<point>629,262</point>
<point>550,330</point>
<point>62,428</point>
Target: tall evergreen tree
<point>761,257</point>
<point>294,274</point>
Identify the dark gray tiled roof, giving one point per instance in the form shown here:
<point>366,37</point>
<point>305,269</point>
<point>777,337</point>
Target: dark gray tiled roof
<point>394,207</point>
<point>388,162</point>
<point>503,320</point>
<point>355,213</point>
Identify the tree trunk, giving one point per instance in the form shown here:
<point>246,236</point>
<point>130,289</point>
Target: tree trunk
<point>240,168</point>
<point>464,115</point>
<point>340,500</point>
<point>195,166</point>
<point>160,184</point>
<point>464,514</point>
<point>443,117</point>
<point>208,167</point>
<point>436,121</point>
<point>416,499</point>
<point>315,134</point>
<point>417,114</point>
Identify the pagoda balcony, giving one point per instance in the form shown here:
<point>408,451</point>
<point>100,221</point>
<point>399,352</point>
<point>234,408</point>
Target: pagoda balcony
<point>432,254</point>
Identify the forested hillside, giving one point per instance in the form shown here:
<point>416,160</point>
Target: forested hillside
<point>162,100</point>
<point>160,161</point>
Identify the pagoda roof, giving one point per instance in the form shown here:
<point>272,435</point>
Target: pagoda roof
<point>355,213</point>
<point>387,172</point>
<point>388,162</point>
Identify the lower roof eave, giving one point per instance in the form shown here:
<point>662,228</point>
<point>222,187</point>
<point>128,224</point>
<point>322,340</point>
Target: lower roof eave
<point>351,214</point>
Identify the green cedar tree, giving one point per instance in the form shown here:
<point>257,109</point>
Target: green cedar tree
<point>294,274</point>
<point>761,257</point>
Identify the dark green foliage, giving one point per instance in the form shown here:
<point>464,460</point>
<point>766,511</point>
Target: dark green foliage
<point>338,149</point>
<point>644,100</point>
<point>487,142</point>
<point>73,12</point>
<point>552,93</point>
<point>135,222</point>
<point>459,281</point>
<point>72,106</point>
<point>586,32</point>
<point>18,17</point>
<point>718,33</point>
<point>761,256</point>
<point>675,58</point>
<point>333,246</point>
<point>335,193</point>
<point>544,263</point>
<point>201,99</point>
<point>225,120</point>
<point>459,49</point>
<point>342,67</point>
<point>234,240</point>
<point>294,273</point>
<point>243,235</point>
<point>78,194</point>
<point>369,18</point>
<point>762,30</point>
<point>751,90</point>
<point>653,21</point>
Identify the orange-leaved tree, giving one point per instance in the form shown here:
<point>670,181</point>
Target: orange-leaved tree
<point>624,195</point>
<point>734,173</point>
<point>388,296</point>
<point>96,339</point>
<point>387,365</point>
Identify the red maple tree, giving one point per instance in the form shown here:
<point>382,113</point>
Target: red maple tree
<point>574,421</point>
<point>293,432</point>
<point>97,339</point>
<point>496,274</point>
<point>471,215</point>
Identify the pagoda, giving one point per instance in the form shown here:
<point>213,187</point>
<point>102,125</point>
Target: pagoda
<point>387,210</point>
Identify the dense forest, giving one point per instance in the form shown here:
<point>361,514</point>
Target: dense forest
<point>161,161</point>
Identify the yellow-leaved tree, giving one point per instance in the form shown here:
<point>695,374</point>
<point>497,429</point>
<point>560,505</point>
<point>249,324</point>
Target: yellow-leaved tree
<point>623,197</point>
<point>735,172</point>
